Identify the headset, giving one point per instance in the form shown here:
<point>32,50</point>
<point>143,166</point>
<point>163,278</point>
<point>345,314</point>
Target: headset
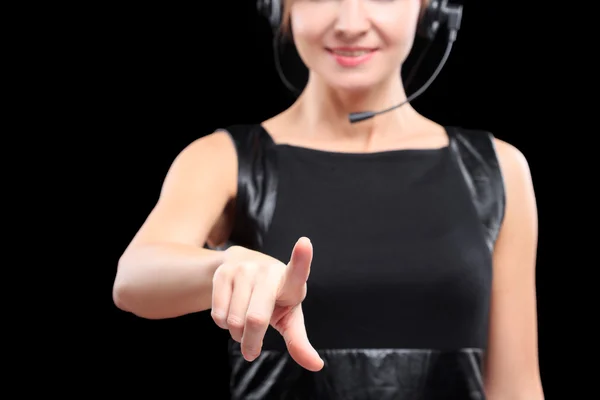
<point>437,14</point>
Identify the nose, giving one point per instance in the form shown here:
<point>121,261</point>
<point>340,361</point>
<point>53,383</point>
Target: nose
<point>352,20</point>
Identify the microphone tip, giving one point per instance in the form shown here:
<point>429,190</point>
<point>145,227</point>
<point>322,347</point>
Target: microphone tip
<point>360,116</point>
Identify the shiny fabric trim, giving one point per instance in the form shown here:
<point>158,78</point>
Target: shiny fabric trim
<point>257,185</point>
<point>361,374</point>
<point>475,153</point>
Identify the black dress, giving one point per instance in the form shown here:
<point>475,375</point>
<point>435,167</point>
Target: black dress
<point>399,292</point>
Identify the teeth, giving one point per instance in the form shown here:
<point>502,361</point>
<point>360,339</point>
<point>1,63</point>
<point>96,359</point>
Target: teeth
<point>351,53</point>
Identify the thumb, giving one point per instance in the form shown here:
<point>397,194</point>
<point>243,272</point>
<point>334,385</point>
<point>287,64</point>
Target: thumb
<point>299,265</point>
<point>294,333</point>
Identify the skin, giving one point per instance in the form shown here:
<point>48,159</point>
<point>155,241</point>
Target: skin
<point>166,273</point>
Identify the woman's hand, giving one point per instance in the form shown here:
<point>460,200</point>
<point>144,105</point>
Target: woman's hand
<point>252,290</point>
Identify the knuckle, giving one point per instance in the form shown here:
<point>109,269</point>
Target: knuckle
<point>219,318</point>
<point>256,320</point>
<point>222,273</point>
<point>245,270</point>
<point>302,294</point>
<point>217,315</point>
<point>299,294</point>
<point>235,322</point>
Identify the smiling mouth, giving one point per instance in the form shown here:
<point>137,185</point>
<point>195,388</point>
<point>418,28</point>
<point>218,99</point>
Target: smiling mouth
<point>351,52</point>
<point>351,57</point>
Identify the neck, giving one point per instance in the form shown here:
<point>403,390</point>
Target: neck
<point>326,109</point>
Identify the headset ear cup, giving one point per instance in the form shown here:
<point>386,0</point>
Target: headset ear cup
<point>430,21</point>
<point>276,13</point>
<point>271,9</point>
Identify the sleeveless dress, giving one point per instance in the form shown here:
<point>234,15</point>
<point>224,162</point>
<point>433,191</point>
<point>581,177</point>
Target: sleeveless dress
<point>399,291</point>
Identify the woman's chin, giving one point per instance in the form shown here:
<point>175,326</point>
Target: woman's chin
<point>353,86</point>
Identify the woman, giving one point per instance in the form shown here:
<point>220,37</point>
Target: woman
<point>422,281</point>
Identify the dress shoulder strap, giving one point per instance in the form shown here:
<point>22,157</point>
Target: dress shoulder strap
<point>475,153</point>
<point>257,184</point>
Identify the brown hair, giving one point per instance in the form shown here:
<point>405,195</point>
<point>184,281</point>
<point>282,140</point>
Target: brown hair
<point>287,6</point>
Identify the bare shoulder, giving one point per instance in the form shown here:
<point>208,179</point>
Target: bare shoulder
<point>199,185</point>
<point>521,203</point>
<point>213,146</point>
<point>210,158</point>
<point>513,164</point>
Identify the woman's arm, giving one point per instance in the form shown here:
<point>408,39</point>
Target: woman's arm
<point>165,272</point>
<point>512,366</point>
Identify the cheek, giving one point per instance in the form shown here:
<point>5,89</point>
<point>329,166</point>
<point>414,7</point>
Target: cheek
<point>308,38</point>
<point>307,28</point>
<point>398,28</point>
<point>402,39</point>
<point>398,36</point>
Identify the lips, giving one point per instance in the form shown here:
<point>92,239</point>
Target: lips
<point>351,56</point>
<point>351,51</point>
